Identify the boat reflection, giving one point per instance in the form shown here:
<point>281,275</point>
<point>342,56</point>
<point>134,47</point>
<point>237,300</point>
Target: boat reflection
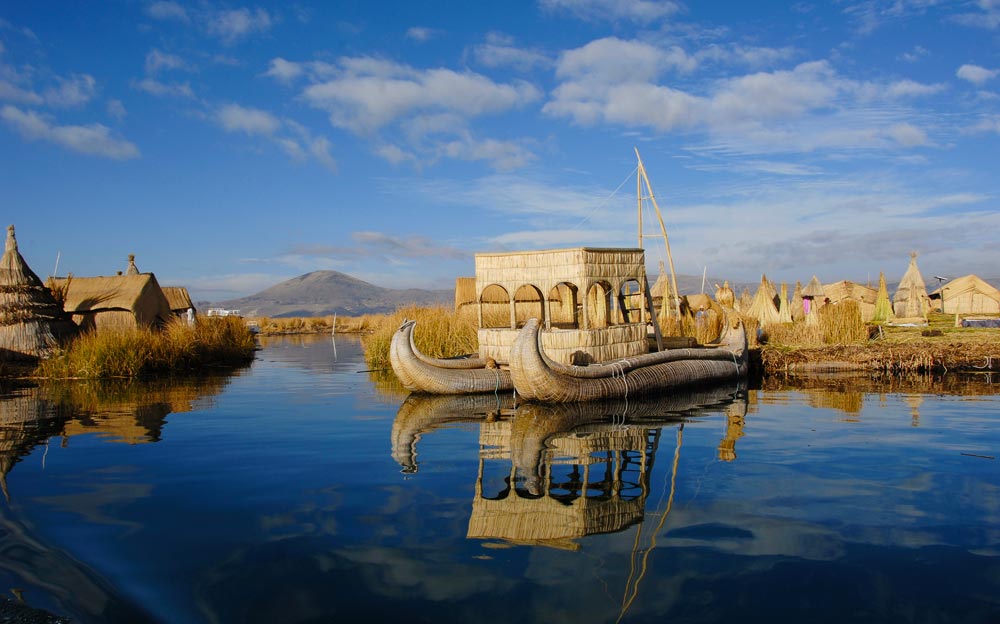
<point>569,470</point>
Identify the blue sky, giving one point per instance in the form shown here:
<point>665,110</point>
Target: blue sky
<point>231,146</point>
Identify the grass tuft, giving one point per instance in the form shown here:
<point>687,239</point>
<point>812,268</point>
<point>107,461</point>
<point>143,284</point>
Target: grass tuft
<point>440,332</point>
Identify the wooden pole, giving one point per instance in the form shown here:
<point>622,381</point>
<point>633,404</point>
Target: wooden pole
<point>666,241</point>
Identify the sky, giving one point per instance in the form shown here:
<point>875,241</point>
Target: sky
<point>232,145</point>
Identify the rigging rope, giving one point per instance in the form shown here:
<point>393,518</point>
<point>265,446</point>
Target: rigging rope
<point>606,200</point>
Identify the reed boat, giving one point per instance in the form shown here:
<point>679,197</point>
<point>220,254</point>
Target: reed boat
<point>459,375</point>
<point>539,378</point>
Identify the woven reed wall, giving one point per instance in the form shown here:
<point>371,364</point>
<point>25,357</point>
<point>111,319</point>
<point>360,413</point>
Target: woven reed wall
<point>465,291</point>
<point>544,269</point>
<point>602,345</point>
<point>106,320</point>
<point>542,519</point>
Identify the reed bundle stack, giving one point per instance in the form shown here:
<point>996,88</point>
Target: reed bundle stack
<point>763,307</point>
<point>31,320</point>
<point>883,306</point>
<point>784,313</point>
<point>798,313</point>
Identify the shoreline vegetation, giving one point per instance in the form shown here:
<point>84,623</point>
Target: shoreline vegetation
<point>840,341</point>
<point>132,353</point>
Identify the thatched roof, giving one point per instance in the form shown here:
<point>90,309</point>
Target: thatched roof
<point>797,310</point>
<point>911,300</point>
<point>177,298</point>
<point>845,289</point>
<point>762,307</point>
<point>31,321</point>
<point>813,289</point>
<point>968,294</point>
<point>661,288</point>
<point>139,295</point>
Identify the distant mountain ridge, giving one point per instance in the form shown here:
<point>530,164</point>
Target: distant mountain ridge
<point>324,293</point>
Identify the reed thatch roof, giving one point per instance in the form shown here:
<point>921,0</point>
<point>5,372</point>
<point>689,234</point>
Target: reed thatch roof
<point>968,294</point>
<point>130,300</point>
<point>845,290</point>
<point>813,289</point>
<point>31,321</point>
<point>911,299</point>
<point>178,298</point>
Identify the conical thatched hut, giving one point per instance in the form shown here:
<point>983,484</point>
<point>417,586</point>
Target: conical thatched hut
<point>797,311</point>
<point>132,269</point>
<point>883,307</point>
<point>911,300</point>
<point>844,290</point>
<point>762,307</point>
<point>31,321</point>
<point>968,294</point>
<point>744,302</point>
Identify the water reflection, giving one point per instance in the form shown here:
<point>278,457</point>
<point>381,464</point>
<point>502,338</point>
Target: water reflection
<point>117,411</point>
<point>572,470</point>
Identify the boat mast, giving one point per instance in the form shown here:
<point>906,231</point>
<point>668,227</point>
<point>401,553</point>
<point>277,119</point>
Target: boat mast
<point>640,177</point>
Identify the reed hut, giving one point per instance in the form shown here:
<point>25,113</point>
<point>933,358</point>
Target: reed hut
<point>763,307</point>
<point>883,306</point>
<point>798,313</point>
<point>116,302</point>
<point>843,290</point>
<point>968,294</point>
<point>179,301</point>
<point>31,320</point>
<point>745,301</point>
<point>911,300</point>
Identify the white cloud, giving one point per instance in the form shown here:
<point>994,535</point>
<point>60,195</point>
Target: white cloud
<point>914,55</point>
<point>10,92</point>
<point>157,60</point>
<point>284,71</point>
<point>93,139</point>
<point>116,109</point>
<point>910,88</point>
<point>502,155</point>
<point>161,89</point>
<point>372,93</point>
<point>70,92</point>
<point>499,51</point>
<point>604,10</point>
<point>907,135</point>
<point>236,118</point>
<point>421,34</point>
<point>614,60</point>
<point>988,15</point>
<point>165,10</point>
<point>293,138</point>
<point>975,74</point>
<point>395,154</point>
<point>235,24</point>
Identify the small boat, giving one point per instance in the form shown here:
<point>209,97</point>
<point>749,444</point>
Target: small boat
<point>537,377</point>
<point>459,375</point>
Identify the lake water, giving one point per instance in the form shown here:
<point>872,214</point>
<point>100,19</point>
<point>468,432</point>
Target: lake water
<point>303,490</point>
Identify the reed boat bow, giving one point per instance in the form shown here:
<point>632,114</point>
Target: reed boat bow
<point>462,375</point>
<point>536,377</point>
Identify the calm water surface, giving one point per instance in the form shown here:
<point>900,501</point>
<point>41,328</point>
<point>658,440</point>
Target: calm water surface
<point>303,490</point>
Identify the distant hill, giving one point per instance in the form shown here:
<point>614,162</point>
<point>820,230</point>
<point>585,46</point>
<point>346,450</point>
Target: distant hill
<point>324,293</point>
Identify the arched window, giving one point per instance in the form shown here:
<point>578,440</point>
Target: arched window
<point>528,304</point>
<point>495,306</point>
<point>564,306</point>
<point>599,305</point>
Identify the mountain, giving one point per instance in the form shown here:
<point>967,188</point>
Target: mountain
<point>324,293</point>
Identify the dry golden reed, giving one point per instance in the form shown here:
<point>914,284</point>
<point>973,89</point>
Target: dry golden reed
<point>139,352</point>
<point>440,332</point>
